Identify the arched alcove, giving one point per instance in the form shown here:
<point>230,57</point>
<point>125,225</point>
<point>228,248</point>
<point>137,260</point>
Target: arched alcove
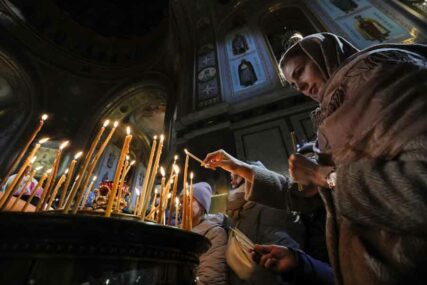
<point>20,104</point>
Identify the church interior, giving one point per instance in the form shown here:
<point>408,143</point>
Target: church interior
<point>145,90</point>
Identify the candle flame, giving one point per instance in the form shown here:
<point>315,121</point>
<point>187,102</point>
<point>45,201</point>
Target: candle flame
<point>94,178</point>
<point>43,140</point>
<point>175,158</point>
<point>78,155</point>
<point>177,201</point>
<point>169,195</point>
<point>162,171</point>
<point>176,169</point>
<point>33,159</point>
<point>49,171</point>
<point>155,191</point>
<point>191,175</point>
<point>127,157</point>
<point>137,192</point>
<point>106,123</point>
<point>162,138</point>
<point>38,167</point>
<point>186,151</point>
<point>66,171</point>
<point>44,117</point>
<point>116,123</point>
<point>64,145</point>
<point>132,162</point>
<point>155,137</point>
<point>128,130</point>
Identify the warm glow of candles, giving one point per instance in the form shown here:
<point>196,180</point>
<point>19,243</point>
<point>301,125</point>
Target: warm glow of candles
<point>190,207</point>
<point>70,172</point>
<point>24,150</point>
<point>33,193</point>
<point>121,183</point>
<point>176,212</point>
<point>174,190</point>
<point>81,173</point>
<point>153,175</point>
<point>124,152</point>
<point>96,158</point>
<point>184,187</point>
<point>55,190</point>
<point>162,195</point>
<point>51,179</point>
<point>27,182</point>
<point>10,189</point>
<point>39,204</point>
<point>143,198</point>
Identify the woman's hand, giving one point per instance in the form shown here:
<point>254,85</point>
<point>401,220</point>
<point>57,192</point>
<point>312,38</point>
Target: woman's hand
<point>304,171</point>
<point>222,159</point>
<point>276,258</point>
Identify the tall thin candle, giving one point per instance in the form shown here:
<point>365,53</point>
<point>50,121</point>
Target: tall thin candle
<point>153,175</point>
<point>121,183</point>
<point>143,195</point>
<point>39,184</point>
<point>88,190</point>
<point>83,169</point>
<point>174,190</point>
<point>55,190</point>
<point>95,162</point>
<point>24,149</point>
<point>113,192</point>
<point>68,180</point>
<point>162,190</point>
<point>27,183</point>
<point>190,212</point>
<point>9,191</point>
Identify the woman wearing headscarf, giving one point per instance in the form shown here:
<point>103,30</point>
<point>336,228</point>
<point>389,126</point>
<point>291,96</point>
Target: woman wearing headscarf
<point>373,130</point>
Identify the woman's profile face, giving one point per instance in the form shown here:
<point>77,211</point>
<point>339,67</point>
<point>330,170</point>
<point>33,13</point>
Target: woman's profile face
<point>304,75</point>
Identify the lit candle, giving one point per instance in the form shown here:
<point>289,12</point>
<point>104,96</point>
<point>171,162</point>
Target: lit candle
<point>88,192</point>
<point>176,212</point>
<point>55,190</point>
<point>153,173</point>
<point>162,190</point>
<point>143,195</point>
<point>39,184</point>
<point>121,183</point>
<point>68,180</point>
<point>95,162</point>
<point>174,190</point>
<point>9,190</point>
<point>83,168</point>
<point>24,150</point>
<point>113,192</point>
<point>39,203</point>
<point>29,180</point>
<point>190,215</point>
<point>184,189</point>
<point>51,179</point>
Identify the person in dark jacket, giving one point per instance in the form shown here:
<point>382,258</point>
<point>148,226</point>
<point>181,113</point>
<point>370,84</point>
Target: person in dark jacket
<point>262,225</point>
